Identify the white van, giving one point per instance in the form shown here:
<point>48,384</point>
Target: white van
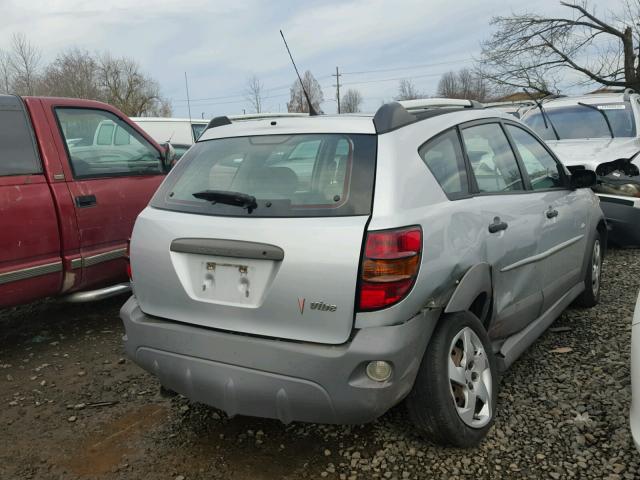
<point>182,132</point>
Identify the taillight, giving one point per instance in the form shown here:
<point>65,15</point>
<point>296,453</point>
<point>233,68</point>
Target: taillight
<point>127,255</point>
<point>389,267</point>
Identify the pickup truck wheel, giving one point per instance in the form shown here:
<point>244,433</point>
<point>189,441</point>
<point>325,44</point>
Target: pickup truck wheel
<point>591,294</point>
<point>454,397</point>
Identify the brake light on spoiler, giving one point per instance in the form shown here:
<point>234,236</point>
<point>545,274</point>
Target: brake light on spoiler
<point>389,266</point>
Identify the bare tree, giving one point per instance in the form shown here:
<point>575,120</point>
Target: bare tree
<point>6,73</point>
<point>253,93</point>
<point>448,85</point>
<point>127,88</point>
<point>24,61</point>
<point>407,91</point>
<point>351,101</point>
<point>73,73</point>
<point>298,101</point>
<point>465,84</point>
<point>533,51</point>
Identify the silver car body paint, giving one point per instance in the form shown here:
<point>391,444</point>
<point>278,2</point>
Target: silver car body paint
<point>180,334</point>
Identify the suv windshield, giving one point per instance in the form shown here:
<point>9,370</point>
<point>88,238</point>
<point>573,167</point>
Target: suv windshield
<point>289,176</point>
<point>578,121</point>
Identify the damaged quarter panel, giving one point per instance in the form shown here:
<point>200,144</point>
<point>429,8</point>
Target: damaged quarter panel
<point>456,235</point>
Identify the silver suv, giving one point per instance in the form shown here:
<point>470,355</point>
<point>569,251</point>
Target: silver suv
<point>323,269</point>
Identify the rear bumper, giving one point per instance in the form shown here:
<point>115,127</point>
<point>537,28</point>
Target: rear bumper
<point>245,375</point>
<point>623,216</point>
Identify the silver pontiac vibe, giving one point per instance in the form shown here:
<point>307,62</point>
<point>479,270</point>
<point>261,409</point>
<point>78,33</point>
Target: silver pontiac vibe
<point>322,269</point>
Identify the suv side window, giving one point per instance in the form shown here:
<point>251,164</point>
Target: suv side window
<point>494,164</point>
<point>543,170</point>
<point>18,154</point>
<point>94,150</point>
<point>443,155</point>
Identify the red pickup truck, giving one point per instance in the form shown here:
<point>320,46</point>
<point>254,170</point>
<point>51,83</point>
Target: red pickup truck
<point>74,174</point>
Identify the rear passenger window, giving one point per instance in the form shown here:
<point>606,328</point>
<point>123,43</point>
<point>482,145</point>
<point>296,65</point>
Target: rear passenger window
<point>102,145</point>
<point>493,163</point>
<point>18,154</point>
<point>443,155</point>
<point>543,170</point>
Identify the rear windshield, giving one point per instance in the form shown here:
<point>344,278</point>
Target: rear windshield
<point>316,175</point>
<point>578,121</point>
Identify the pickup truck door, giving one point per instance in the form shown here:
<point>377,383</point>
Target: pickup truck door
<point>563,212</point>
<point>112,170</point>
<point>30,261</point>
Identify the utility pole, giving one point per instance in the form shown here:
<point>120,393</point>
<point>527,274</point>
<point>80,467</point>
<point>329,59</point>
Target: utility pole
<point>337,85</point>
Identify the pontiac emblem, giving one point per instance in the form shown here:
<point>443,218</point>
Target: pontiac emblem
<point>321,306</point>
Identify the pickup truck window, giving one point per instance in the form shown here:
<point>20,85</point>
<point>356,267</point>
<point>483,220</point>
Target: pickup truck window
<point>18,155</point>
<point>102,145</point>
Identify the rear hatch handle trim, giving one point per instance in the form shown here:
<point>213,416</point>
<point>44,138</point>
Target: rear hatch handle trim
<point>227,248</point>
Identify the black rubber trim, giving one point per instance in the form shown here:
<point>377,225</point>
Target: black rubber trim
<point>620,201</point>
<point>227,248</point>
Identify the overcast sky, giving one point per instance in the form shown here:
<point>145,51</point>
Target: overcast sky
<point>220,44</point>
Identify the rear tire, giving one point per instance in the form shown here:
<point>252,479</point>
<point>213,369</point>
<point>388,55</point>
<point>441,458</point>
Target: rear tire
<point>454,397</point>
<point>590,297</point>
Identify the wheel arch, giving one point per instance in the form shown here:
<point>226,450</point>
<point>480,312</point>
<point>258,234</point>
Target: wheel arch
<point>604,234</point>
<point>473,293</point>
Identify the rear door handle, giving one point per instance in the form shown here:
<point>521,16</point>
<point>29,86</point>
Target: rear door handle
<point>83,201</point>
<point>551,213</point>
<point>497,225</point>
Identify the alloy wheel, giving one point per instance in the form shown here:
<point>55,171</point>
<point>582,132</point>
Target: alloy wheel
<point>596,266</point>
<point>470,379</point>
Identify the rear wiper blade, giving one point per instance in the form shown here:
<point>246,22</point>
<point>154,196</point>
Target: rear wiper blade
<point>229,198</point>
<point>606,119</point>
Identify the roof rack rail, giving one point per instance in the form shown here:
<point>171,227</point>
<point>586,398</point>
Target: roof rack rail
<point>218,122</point>
<point>394,115</point>
<point>506,103</point>
<point>423,103</point>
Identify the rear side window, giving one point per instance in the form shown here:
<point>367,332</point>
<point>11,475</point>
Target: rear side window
<point>443,155</point>
<point>289,175</point>
<point>18,155</point>
<point>494,165</point>
<point>543,170</point>
<point>198,129</point>
<point>102,145</point>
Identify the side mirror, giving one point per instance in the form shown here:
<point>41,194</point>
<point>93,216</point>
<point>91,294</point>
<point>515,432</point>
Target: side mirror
<point>169,156</point>
<point>583,179</point>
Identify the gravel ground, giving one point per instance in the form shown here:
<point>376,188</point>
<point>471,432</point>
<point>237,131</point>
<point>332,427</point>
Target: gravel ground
<point>74,407</point>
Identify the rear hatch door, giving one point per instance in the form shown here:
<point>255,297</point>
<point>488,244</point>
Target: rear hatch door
<point>285,268</point>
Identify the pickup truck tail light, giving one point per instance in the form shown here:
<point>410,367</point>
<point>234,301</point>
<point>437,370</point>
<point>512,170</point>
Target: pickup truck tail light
<point>389,267</point>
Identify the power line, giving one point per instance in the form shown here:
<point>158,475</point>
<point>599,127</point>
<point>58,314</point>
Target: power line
<point>380,80</point>
<point>227,98</point>
<point>241,94</point>
<point>380,70</point>
<point>412,67</point>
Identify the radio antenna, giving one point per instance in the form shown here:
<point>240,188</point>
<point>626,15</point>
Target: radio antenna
<point>312,111</point>
<point>186,86</point>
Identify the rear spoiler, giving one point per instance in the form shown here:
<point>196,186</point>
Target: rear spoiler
<point>394,115</point>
